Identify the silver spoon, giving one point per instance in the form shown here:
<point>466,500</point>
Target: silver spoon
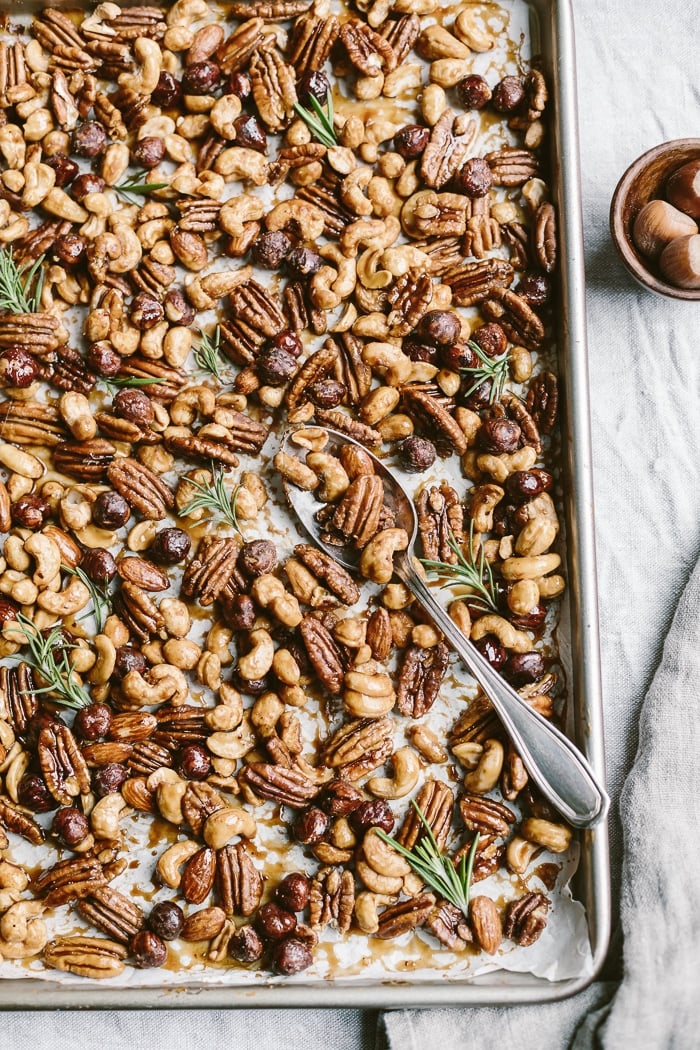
<point>555,764</point>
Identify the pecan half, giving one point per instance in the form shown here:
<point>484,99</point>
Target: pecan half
<point>18,701</point>
<point>368,51</point>
<point>198,803</point>
<point>113,913</point>
<point>401,33</point>
<point>146,757</point>
<point>210,570</point>
<point>436,802</point>
<point>439,514</point>
<point>515,316</point>
<point>409,298</point>
<point>359,747</point>
<point>237,50</point>
<point>379,635</point>
<point>269,10</point>
<point>476,724</point>
<point>330,572</point>
<point>332,899</point>
<point>239,884</point>
<point>405,916</point>
<point>446,152</point>
<point>70,880</point>
<point>67,370</point>
<point>512,166</point>
<point>19,823</point>
<point>430,214</point>
<point>325,194</point>
<point>62,764</point>
<point>273,86</point>
<point>472,283</point>
<point>93,957</point>
<point>141,488</point>
<point>544,236</point>
<point>31,423</point>
<point>543,401</point>
<point>179,726</point>
<point>357,515</point>
<point>324,655</point>
<point>138,611</point>
<point>84,460</point>
<point>434,420</point>
<point>281,784</point>
<point>39,333</point>
<point>487,859</point>
<point>526,918</point>
<point>311,41</point>
<point>485,815</point>
<point>421,674</point>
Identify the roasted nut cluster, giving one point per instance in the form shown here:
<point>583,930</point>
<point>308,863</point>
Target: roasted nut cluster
<point>243,255</point>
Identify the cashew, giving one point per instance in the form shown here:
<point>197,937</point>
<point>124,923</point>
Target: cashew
<point>170,862</point>
<point>240,210</point>
<point>334,480</point>
<point>67,602</point>
<point>517,641</point>
<point>406,771</point>
<point>223,115</point>
<point>15,554</point>
<point>258,661</point>
<point>351,191</point>
<point>22,932</point>
<point>540,532</point>
<point>269,593</point>
<point>144,80</point>
<point>103,667</point>
<point>530,568</point>
<point>501,467</point>
<point>523,596</point>
<point>169,796</point>
<point>368,273</point>
<point>164,683</point>
<point>13,883</point>
<point>286,668</point>
<point>14,773</point>
<point>371,233</point>
<point>554,837</point>
<point>221,826</point>
<point>368,694</point>
<point>176,617</point>
<point>470,32</point>
<point>233,743</point>
<point>388,361</point>
<point>377,561</point>
<point>383,858</point>
<point>483,499</point>
<point>77,414</point>
<point>47,558</point>
<point>366,915</point>
<point>292,469</point>
<point>104,818</point>
<point>520,854</point>
<point>428,743</point>
<point>20,462</point>
<point>302,217</point>
<point>485,776</point>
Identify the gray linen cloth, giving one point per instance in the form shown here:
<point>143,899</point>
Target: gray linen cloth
<point>638,86</point>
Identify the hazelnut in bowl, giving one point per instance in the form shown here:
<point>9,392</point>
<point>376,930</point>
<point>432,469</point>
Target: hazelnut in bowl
<point>655,219</point>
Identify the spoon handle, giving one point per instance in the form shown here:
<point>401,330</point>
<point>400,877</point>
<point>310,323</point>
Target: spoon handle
<point>555,764</point>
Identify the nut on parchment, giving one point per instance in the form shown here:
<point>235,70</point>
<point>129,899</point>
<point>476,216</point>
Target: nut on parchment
<point>112,913</point>
<point>405,916</point>
<point>332,899</point>
<point>94,957</point>
<point>239,884</point>
<point>421,674</point>
<point>526,918</point>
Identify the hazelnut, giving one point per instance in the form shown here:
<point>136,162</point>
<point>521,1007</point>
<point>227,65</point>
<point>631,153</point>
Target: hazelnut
<point>683,189</point>
<point>134,406</point>
<point>657,224</point>
<point>293,891</point>
<point>416,350</point>
<point>166,920</point>
<point>128,659</point>
<point>93,722</point>
<point>311,826</point>
<point>177,309</point>
<point>250,686</point>
<point>536,288</point>
<point>275,366</point>
<point>417,454</point>
<point>291,956</point>
<point>303,262</point>
<point>33,794</point>
<point>30,512</point>
<point>18,367</point>
<point>289,341</point>
<point>473,92</point>
<point>246,946</point>
<point>64,168</point>
<point>499,435</point>
<point>530,621</point>
<point>327,393</point>
<point>313,85</point>
<point>148,152</point>
<point>69,249</point>
<point>492,650</point>
<point>146,312</point>
<point>109,778</point>
<point>257,557</point>
<point>271,249</point>
<point>239,85</point>
<point>680,262</point>
<point>274,922</point>
<point>508,95</point>
<point>195,762</point>
<point>480,396</point>
<point>87,183</point>
<point>526,484</point>
<point>89,139</point>
<point>99,565</point>
<point>70,826</point>
<point>167,91</point>
<point>240,612</point>
<point>148,950</point>
<point>491,339</point>
<point>474,178</point>
<point>522,668</point>
<point>170,546</point>
<point>374,814</point>
<point>458,356</point>
<point>110,510</point>
<point>411,140</point>
<point>439,328</point>
<point>8,611</point>
<point>201,78</point>
<point>250,133</point>
<point>102,359</point>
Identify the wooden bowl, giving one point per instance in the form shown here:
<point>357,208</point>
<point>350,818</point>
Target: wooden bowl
<point>644,181</point>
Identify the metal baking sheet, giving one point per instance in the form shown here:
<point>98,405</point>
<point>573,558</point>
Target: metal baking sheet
<point>551,34</point>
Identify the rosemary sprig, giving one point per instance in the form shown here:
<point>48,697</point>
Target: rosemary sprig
<point>493,368</point>
<point>214,498</point>
<point>119,382</point>
<point>436,868</point>
<point>469,571</point>
<point>20,286</point>
<point>99,595</point>
<point>208,357</point>
<point>319,120</point>
<point>135,186</point>
<point>49,657</point>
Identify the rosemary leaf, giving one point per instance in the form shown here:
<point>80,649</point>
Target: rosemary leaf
<point>135,185</point>
<point>208,357</point>
<point>20,286</point>
<point>493,368</point>
<point>48,655</point>
<point>214,498</point>
<point>99,595</point>
<point>119,382</point>
<point>437,869</point>
<point>471,572</point>
<point>319,120</point>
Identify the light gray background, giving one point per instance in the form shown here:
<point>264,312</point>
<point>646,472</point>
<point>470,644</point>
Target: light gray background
<point>638,86</point>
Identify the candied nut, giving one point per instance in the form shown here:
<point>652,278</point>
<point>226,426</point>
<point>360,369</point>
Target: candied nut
<point>93,957</point>
<point>377,561</point>
<point>526,918</point>
<point>486,924</point>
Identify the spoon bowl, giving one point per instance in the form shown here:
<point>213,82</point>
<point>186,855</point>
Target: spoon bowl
<point>555,764</point>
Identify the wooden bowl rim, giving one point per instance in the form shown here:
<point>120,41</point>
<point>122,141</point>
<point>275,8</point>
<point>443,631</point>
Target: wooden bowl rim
<point>628,254</point>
